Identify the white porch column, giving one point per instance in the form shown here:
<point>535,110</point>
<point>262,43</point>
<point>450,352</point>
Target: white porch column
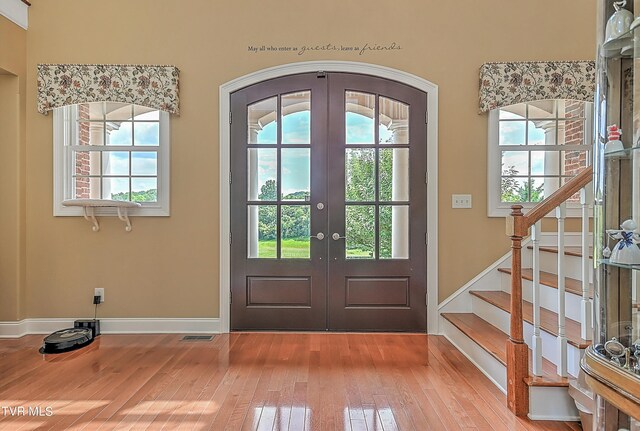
<point>551,158</point>
<point>96,137</point>
<point>400,192</point>
<point>252,177</point>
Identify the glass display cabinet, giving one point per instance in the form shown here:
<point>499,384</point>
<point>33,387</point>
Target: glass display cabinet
<point>612,363</point>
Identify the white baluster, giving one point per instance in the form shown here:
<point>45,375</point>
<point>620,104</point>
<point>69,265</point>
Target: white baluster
<point>561,213</point>
<point>585,305</point>
<point>536,340</point>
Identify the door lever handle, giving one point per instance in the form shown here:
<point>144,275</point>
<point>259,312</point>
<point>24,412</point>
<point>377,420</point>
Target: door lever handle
<point>319,236</point>
<point>336,236</point>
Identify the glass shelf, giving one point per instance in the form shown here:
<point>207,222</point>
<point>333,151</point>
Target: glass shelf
<point>622,154</point>
<point>629,45</point>
<point>619,265</point>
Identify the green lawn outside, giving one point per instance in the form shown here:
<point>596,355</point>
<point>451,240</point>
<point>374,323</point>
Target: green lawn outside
<point>296,249</point>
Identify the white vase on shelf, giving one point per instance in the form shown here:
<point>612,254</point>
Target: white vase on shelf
<point>626,250</point>
<point>614,144</point>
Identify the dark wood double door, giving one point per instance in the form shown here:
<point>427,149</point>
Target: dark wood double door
<point>328,204</point>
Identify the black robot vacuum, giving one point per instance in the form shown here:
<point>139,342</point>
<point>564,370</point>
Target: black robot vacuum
<point>67,339</point>
<point>64,340</point>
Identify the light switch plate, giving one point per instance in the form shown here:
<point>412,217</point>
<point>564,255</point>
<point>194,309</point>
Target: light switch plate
<point>460,201</point>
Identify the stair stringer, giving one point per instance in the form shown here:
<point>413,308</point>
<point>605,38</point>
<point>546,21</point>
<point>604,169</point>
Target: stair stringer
<point>489,279</point>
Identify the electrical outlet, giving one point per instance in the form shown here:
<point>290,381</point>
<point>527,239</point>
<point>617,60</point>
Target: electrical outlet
<point>99,291</point>
<point>460,201</point>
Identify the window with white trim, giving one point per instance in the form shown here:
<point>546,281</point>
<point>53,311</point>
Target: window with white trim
<point>118,151</point>
<point>534,148</point>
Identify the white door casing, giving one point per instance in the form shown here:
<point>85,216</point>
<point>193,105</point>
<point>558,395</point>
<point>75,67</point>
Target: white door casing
<point>431,178</point>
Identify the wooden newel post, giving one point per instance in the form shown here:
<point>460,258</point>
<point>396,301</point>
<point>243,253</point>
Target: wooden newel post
<point>517,349</point>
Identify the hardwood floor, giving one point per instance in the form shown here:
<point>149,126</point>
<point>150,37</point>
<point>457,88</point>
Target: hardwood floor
<point>253,381</point>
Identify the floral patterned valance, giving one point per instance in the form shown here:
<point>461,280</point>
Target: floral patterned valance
<point>68,84</point>
<point>503,84</point>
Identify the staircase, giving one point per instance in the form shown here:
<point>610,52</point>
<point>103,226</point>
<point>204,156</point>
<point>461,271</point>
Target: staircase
<point>526,320</point>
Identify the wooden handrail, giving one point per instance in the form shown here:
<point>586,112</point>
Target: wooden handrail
<point>521,227</point>
<point>518,225</point>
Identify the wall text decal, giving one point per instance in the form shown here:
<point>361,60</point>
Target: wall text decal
<point>359,49</point>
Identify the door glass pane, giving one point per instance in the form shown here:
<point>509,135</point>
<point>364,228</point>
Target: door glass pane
<point>360,168</point>
<point>115,163</point>
<point>296,118</point>
<point>360,111</point>
<point>262,168</point>
<point>394,231</point>
<point>295,224</point>
<point>394,122</point>
<point>360,231</point>
<point>393,164</point>
<point>262,227</point>
<point>262,122</point>
<point>295,174</point>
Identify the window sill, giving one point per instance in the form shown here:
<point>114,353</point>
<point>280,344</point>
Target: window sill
<point>146,210</point>
<point>90,208</point>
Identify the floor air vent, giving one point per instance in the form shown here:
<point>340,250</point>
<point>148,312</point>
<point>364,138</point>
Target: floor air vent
<point>197,338</point>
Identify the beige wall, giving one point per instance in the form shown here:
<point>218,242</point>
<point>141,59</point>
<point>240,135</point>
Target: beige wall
<point>168,267</point>
<point>12,163</point>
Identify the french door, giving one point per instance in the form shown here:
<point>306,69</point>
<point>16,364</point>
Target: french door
<point>328,204</point>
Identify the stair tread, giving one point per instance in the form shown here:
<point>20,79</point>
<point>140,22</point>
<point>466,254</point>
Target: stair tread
<point>568,250</point>
<point>548,319</point>
<point>494,341</point>
<point>571,285</point>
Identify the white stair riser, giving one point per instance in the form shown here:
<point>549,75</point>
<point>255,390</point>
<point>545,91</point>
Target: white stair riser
<point>572,265</point>
<point>487,364</point>
<point>501,320</point>
<point>548,297</point>
<point>551,404</point>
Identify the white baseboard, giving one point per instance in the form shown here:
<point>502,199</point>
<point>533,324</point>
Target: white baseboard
<point>502,261</point>
<point>114,326</point>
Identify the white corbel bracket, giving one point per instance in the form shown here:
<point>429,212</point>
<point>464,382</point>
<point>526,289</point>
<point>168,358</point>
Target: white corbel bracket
<point>89,206</point>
